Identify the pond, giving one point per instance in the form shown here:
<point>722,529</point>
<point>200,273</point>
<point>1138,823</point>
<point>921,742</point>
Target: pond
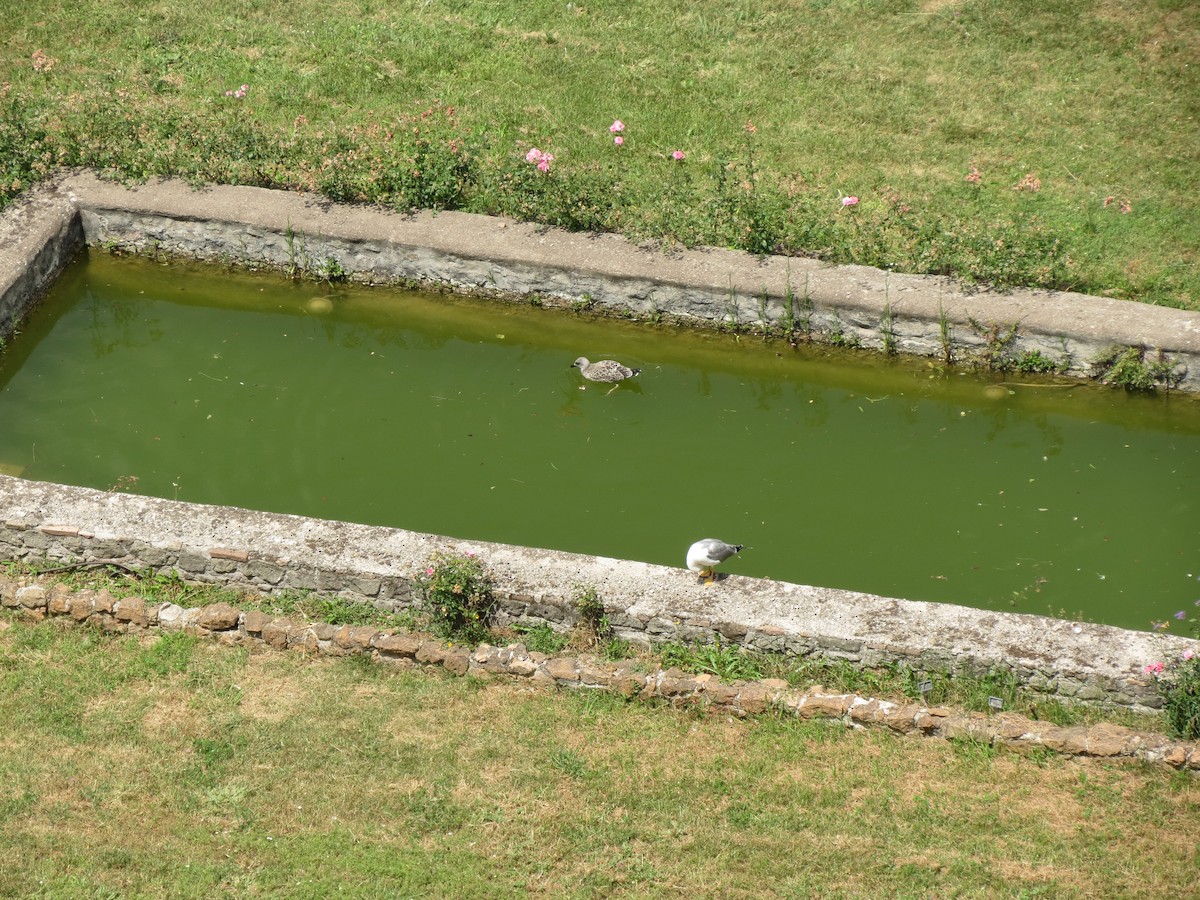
<point>465,418</point>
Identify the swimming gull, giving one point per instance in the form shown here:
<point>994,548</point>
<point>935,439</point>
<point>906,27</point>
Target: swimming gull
<point>608,371</point>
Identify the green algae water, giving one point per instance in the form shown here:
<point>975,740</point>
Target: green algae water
<point>465,418</point>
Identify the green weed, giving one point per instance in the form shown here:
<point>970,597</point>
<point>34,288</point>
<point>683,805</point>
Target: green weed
<point>593,627</point>
<point>887,330</point>
<point>1034,361</point>
<point>1129,368</point>
<point>728,662</point>
<point>542,638</point>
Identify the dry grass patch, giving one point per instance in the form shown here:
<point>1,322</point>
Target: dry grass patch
<point>366,779</point>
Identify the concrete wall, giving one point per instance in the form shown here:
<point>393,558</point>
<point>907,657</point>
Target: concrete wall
<point>856,305</point>
<point>272,552</point>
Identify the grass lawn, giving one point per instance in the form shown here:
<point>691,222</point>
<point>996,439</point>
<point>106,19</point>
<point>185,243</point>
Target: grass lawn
<point>1050,144</point>
<point>1023,142</point>
<point>167,766</point>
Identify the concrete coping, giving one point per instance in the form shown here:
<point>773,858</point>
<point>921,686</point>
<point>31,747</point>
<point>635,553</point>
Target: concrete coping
<point>272,552</point>
<point>851,305</point>
<point>504,258</point>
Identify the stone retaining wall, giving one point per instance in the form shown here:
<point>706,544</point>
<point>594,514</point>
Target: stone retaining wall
<point>849,305</point>
<point>250,226</point>
<point>741,698</point>
<point>271,552</point>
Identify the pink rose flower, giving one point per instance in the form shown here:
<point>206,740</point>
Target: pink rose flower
<point>534,155</point>
<point>618,140</point>
<point>1154,669</point>
<point>849,201</point>
<point>678,156</point>
<point>616,126</point>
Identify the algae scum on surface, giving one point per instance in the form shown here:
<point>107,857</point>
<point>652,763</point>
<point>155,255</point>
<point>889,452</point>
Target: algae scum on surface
<point>466,418</point>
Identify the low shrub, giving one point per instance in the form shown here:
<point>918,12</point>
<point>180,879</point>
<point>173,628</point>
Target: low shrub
<point>458,596</point>
<point>1179,685</point>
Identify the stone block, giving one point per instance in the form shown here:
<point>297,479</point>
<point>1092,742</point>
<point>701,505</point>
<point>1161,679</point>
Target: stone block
<point>775,686</point>
<point>354,638</point>
<point>753,699</point>
<point>1065,740</point>
<point>133,611</point>
<point>824,706</point>
<point>103,601</point>
<point>170,616</point>
<point>300,578</point>
<point>867,712</point>
<point>522,665</point>
<point>457,662</point>
<point>253,621</point>
<point>718,693</point>
<point>769,643</point>
<point>398,644</point>
<point>323,630</point>
<point>366,586</point>
<point>659,627</point>
<point>1176,755</point>
<point>275,635</point>
<point>230,554</point>
<point>193,563</point>
<point>329,581</point>
<point>81,605</point>
<point>970,728</point>
<point>432,652</point>
<point>732,630</point>
<point>301,637</point>
<point>31,597</point>
<point>545,611</point>
<point>900,718</point>
<point>1007,727</point>
<point>562,669</point>
<point>155,557</point>
<point>595,676</point>
<point>261,570</point>
<point>1107,739</point>
<point>218,617</point>
<point>1090,691</point>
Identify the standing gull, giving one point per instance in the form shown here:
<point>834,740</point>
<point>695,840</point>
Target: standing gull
<point>608,371</point>
<point>703,555</point>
